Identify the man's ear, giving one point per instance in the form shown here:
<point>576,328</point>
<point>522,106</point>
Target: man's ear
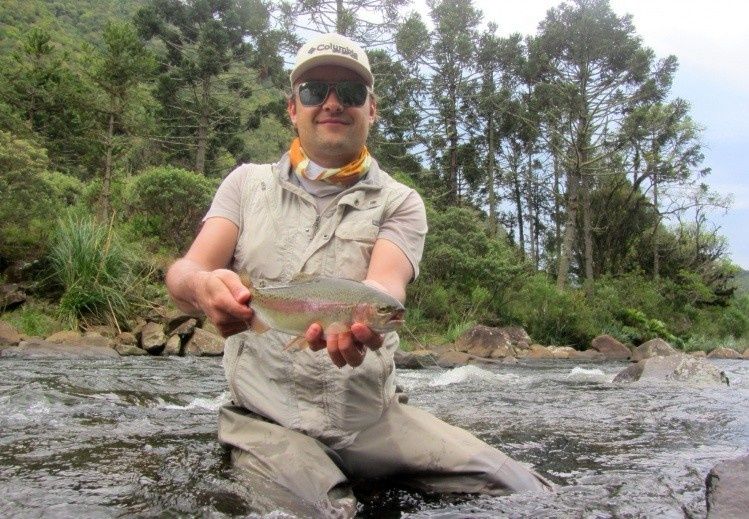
<point>291,109</point>
<point>372,109</point>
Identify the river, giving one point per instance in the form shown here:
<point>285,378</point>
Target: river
<point>135,437</point>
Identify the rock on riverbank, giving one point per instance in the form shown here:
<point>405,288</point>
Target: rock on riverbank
<point>163,333</point>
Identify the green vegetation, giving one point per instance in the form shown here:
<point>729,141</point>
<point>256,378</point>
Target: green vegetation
<point>565,188</point>
<point>101,278</point>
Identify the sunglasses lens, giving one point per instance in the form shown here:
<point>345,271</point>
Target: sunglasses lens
<point>313,93</point>
<point>349,93</point>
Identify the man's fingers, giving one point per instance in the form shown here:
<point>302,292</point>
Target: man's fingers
<point>314,337</point>
<point>353,355</point>
<point>333,351</point>
<point>366,336</point>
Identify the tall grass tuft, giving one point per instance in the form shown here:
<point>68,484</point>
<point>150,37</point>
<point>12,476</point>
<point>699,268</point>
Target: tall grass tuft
<point>98,274</point>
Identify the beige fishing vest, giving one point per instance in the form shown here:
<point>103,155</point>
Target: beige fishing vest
<point>280,236</point>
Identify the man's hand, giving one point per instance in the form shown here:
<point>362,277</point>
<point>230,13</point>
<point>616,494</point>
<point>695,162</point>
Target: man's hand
<point>346,347</point>
<point>224,300</point>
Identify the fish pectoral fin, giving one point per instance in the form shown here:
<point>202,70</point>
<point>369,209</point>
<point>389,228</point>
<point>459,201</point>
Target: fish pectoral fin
<point>258,326</point>
<point>334,328</point>
<point>298,343</point>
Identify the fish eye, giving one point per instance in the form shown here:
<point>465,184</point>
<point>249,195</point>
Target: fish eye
<point>384,310</point>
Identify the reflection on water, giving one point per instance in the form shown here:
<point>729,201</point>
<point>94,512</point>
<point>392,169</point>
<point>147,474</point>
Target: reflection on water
<point>136,437</point>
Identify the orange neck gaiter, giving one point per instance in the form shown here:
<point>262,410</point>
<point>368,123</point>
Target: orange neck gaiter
<point>346,174</point>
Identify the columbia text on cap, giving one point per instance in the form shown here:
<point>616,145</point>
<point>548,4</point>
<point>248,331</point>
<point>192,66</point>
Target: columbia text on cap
<point>332,49</point>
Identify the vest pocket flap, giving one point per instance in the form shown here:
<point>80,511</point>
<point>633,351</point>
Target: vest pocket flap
<point>359,226</point>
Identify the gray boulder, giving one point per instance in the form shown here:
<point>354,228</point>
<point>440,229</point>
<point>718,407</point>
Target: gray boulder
<point>11,296</point>
<point>9,336</point>
<point>652,348</point>
<point>517,335</point>
<point>204,344</point>
<point>173,346</point>
<point>610,348</point>
<point>127,338</point>
<point>65,337</point>
<point>452,359</point>
<point>724,353</point>
<point>562,352</point>
<point>416,359</point>
<point>482,341</point>
<point>152,338</point>
<point>726,489</point>
<point>679,368</point>
<point>38,348</point>
<point>129,350</point>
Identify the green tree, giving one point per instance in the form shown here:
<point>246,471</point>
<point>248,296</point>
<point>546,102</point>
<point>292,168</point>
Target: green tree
<point>598,69</point>
<point>27,198</point>
<point>53,100</point>
<point>443,61</point>
<point>368,22</point>
<point>216,55</point>
<point>119,69</point>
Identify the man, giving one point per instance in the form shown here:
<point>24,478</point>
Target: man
<point>310,420</point>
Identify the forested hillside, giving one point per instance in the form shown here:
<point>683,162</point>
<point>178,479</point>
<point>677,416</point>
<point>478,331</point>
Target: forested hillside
<point>567,190</point>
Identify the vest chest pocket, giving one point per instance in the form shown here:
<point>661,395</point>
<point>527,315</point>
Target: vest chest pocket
<point>354,239</point>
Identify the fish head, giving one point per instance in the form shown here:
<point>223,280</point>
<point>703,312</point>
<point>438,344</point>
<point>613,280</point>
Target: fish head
<point>381,317</point>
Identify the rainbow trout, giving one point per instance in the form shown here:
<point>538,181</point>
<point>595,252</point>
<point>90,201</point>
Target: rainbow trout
<point>334,303</point>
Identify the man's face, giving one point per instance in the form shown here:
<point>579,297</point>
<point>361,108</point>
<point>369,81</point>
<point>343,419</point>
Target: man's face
<point>332,135</point>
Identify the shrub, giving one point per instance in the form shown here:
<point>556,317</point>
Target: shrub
<point>549,315</point>
<point>168,203</point>
<point>99,276</point>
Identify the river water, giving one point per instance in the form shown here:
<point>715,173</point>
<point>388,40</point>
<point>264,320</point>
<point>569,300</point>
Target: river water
<point>135,437</point>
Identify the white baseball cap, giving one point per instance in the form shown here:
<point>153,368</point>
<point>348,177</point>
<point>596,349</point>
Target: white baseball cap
<point>332,49</point>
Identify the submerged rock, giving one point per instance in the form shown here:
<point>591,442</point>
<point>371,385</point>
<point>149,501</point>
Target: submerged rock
<point>726,489</point>
<point>40,348</point>
<point>674,368</point>
<point>588,355</point>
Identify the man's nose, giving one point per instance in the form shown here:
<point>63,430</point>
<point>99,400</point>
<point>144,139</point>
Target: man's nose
<point>332,102</point>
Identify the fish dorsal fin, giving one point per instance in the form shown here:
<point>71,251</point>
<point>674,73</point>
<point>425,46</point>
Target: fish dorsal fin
<point>302,277</point>
<point>244,277</point>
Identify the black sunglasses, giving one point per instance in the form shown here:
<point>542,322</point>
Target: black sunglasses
<point>349,93</point>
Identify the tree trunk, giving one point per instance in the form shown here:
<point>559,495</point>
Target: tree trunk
<point>203,122</point>
<point>107,180</point>
<point>490,174</point>
<point>532,210</point>
<point>587,235</point>
<point>517,192</point>
<point>339,22</point>
<point>569,230</point>
<point>656,256</point>
<point>556,197</point>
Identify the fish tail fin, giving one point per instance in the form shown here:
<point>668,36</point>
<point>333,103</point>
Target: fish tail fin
<point>297,343</point>
<point>257,325</point>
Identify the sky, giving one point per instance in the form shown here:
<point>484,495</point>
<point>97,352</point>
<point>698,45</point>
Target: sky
<point>711,41</point>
